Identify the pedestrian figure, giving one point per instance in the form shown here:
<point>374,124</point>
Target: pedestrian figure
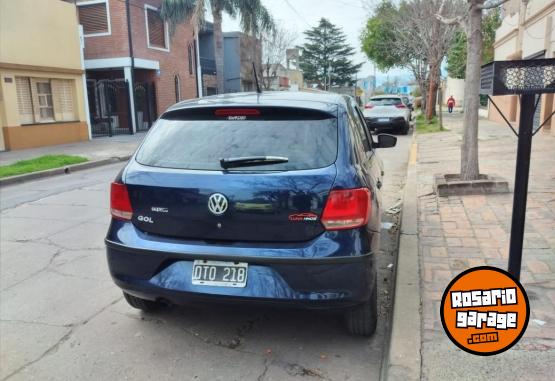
<point>450,104</point>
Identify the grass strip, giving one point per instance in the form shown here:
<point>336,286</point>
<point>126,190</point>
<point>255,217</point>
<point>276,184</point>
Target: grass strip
<point>39,164</point>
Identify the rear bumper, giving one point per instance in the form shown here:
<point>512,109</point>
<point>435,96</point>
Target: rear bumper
<point>391,124</point>
<point>321,282</point>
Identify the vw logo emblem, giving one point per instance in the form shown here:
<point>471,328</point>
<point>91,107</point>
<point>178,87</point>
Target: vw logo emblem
<point>217,204</point>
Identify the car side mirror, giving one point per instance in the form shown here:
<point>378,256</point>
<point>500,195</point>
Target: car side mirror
<point>385,141</point>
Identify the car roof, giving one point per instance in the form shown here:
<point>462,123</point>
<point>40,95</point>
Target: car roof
<point>387,96</point>
<point>317,100</point>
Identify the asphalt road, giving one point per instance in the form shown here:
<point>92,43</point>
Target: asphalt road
<point>62,318</point>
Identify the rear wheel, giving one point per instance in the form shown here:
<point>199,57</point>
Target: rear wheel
<point>362,319</point>
<point>141,304</point>
<point>404,129</point>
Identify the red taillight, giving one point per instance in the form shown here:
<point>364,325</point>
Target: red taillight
<point>120,206</point>
<point>368,106</point>
<point>237,112</point>
<point>347,209</point>
<point>400,105</point>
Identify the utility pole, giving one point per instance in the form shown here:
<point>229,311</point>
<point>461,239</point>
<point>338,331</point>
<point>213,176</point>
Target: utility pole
<point>129,72</point>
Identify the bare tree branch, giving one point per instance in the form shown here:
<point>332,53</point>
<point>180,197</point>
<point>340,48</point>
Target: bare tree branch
<point>274,45</point>
<point>450,21</point>
<point>460,20</point>
<point>495,4</point>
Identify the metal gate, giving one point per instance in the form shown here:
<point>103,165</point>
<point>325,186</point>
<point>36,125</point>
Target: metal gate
<point>145,105</point>
<point>109,107</point>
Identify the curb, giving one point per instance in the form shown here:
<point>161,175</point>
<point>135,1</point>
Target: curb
<point>61,171</point>
<point>404,359</point>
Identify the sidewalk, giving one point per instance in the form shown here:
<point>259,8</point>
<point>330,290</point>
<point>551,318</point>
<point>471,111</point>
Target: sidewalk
<point>95,149</point>
<point>456,233</point>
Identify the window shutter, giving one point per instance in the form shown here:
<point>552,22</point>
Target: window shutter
<point>24,100</point>
<point>62,91</point>
<point>94,18</point>
<point>56,99</point>
<point>156,31</point>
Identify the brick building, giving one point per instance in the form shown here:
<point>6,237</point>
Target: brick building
<point>240,51</point>
<point>133,74</point>
<point>526,33</point>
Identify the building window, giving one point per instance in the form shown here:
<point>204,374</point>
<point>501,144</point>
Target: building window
<point>177,85</point>
<point>43,100</point>
<point>190,52</point>
<point>46,106</point>
<point>156,29</point>
<point>94,16</point>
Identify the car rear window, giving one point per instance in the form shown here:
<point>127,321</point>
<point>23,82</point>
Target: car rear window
<point>200,144</point>
<point>385,101</point>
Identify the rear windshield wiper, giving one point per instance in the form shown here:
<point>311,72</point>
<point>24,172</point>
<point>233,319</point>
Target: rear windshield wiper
<point>247,161</point>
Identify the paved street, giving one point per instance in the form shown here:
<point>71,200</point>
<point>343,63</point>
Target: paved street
<point>63,318</point>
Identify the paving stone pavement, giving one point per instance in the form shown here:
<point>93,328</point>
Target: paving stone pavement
<point>459,232</point>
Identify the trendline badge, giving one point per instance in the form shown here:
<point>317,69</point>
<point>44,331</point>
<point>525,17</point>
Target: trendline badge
<point>484,311</point>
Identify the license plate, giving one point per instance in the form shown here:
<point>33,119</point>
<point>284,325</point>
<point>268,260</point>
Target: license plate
<point>383,119</point>
<point>219,273</point>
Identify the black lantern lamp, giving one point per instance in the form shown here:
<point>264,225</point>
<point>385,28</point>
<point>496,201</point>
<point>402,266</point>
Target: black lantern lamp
<point>528,79</point>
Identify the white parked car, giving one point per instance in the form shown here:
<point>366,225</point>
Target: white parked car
<point>388,112</point>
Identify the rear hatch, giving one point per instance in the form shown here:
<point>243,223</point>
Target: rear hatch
<point>386,107</point>
<point>178,188</point>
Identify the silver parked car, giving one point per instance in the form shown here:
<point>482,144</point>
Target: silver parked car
<point>388,112</point>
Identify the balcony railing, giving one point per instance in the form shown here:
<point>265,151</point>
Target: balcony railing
<point>208,66</point>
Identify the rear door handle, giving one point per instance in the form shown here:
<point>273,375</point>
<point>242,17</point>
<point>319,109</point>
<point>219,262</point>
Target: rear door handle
<point>379,184</point>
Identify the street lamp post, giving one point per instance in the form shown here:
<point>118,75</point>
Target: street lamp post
<point>529,79</point>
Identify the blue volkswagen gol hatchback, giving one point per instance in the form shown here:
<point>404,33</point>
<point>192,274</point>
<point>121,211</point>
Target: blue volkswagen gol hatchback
<point>271,197</point>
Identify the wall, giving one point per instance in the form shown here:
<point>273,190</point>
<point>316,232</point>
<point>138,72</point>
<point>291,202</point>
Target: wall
<point>454,87</point>
<point>17,136</point>
<point>206,44</point>
<point>173,62</point>
<point>250,51</point>
<point>34,32</point>
<point>521,37</point>
<point>45,45</point>
<point>232,64</point>
<point>115,44</point>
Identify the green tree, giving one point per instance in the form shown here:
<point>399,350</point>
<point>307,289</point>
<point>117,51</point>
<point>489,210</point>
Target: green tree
<point>326,48</point>
<point>456,58</point>
<point>379,40</point>
<point>254,18</point>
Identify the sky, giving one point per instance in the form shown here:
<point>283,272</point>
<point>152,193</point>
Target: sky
<point>300,15</point>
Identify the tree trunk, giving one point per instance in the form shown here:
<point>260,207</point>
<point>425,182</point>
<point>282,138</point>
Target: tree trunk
<point>218,48</point>
<point>432,92</point>
<point>469,148</point>
<point>423,95</point>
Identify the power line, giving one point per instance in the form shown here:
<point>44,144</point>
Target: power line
<point>348,4</point>
<point>297,13</point>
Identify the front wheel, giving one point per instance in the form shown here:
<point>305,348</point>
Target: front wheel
<point>362,319</point>
<point>141,304</point>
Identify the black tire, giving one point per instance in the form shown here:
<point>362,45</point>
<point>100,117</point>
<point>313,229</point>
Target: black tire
<point>362,319</point>
<point>141,304</point>
<point>404,130</point>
